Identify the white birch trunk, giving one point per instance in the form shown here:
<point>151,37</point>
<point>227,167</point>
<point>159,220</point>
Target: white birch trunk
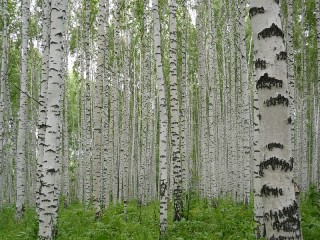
<point>245,103</point>
<point>64,119</point>
<point>106,166</point>
<point>87,112</point>
<point>280,215</point>
<point>163,124</point>
<point>1,153</point>
<point>175,136</point>
<point>318,78</point>
<point>183,89</point>
<point>21,141</point>
<point>97,136</point>
<point>49,199</point>
<point>2,79</point>
<point>290,72</point>
<point>115,104</point>
<point>125,125</point>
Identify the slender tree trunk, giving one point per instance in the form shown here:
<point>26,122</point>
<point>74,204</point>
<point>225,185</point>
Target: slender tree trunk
<point>183,89</point>
<point>98,111</point>
<point>144,110</point>
<point>290,69</point>
<point>65,133</point>
<point>115,103</point>
<point>163,124</point>
<point>1,153</point>
<point>304,125</point>
<point>175,136</point>
<point>21,141</point>
<point>3,72</point>
<point>212,75</point>
<point>125,125</point>
<point>318,77</point>
<point>49,199</point>
<point>245,103</point>
<point>106,166</point>
<point>87,112</point>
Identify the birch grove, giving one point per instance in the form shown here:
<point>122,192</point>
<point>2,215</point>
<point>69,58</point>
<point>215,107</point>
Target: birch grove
<point>120,106</point>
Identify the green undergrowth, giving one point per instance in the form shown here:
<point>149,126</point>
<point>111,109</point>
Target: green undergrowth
<point>222,219</point>
<point>310,216</point>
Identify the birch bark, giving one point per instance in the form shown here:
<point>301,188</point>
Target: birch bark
<point>175,136</point>
<point>98,111</point>
<point>21,141</point>
<point>277,191</point>
<point>50,178</point>
<point>2,79</point>
<point>245,103</point>
<point>318,78</point>
<point>163,123</point>
<point>106,165</point>
<point>87,111</point>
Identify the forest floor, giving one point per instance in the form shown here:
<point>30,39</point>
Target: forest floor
<point>204,220</point>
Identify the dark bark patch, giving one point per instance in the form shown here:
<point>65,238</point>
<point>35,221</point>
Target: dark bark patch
<point>282,56</point>
<point>275,163</point>
<point>286,219</point>
<point>270,146</point>
<point>268,191</point>
<point>163,188</point>
<point>262,64</point>
<point>274,30</point>
<point>255,10</point>
<point>51,170</point>
<point>273,101</point>
<point>267,82</point>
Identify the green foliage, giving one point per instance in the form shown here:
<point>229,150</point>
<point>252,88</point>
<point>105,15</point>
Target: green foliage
<point>207,219</point>
<point>26,229</point>
<point>310,215</point>
<point>227,221</point>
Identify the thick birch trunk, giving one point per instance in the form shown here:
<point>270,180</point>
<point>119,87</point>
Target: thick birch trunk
<point>280,214</point>
<point>49,199</point>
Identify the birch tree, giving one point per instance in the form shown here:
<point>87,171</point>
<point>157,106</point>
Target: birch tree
<point>245,103</point>
<point>115,96</point>
<point>21,140</point>
<point>2,79</point>
<point>49,199</point>
<point>318,78</point>
<point>163,123</point>
<point>280,213</point>
<point>98,109</point>
<point>1,153</point>
<point>106,165</point>
<point>87,110</point>
<point>43,92</point>
<point>175,136</point>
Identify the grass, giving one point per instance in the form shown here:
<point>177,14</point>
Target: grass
<point>227,220</point>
